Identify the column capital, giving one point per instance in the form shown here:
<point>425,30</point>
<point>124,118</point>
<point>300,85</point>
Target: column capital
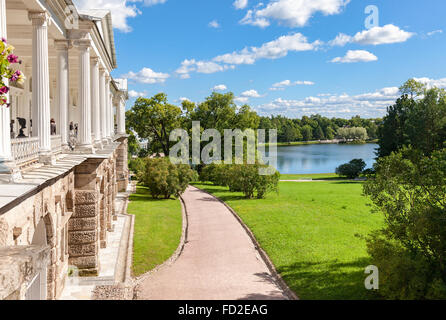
<point>39,18</point>
<point>63,45</point>
<point>94,60</point>
<point>83,44</point>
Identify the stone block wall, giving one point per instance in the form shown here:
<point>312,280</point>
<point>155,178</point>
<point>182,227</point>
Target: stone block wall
<point>122,168</point>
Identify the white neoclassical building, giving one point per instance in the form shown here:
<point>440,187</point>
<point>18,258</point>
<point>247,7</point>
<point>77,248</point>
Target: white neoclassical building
<point>63,146</point>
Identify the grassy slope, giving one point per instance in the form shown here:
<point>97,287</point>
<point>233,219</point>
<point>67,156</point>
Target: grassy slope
<point>309,231</point>
<point>158,228</point>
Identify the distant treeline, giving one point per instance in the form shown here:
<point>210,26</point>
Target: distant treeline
<point>317,127</point>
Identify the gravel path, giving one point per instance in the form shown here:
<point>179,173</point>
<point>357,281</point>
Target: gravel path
<point>219,260</point>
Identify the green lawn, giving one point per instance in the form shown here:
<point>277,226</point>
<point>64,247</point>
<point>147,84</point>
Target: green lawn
<point>318,176</point>
<point>310,231</point>
<point>158,228</point>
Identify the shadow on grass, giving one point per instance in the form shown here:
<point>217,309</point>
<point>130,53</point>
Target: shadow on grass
<point>330,280</point>
<point>143,194</point>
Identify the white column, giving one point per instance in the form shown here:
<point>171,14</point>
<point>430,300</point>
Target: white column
<point>63,88</point>
<point>107,107</point>
<point>120,114</point>
<point>112,116</point>
<point>41,85</point>
<point>103,103</point>
<point>96,102</point>
<point>5,117</point>
<point>85,144</point>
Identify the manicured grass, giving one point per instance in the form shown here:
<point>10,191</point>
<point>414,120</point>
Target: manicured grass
<point>318,176</point>
<point>158,228</point>
<point>311,232</point>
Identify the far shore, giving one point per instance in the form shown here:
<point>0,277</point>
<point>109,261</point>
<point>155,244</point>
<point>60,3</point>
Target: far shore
<point>303,143</point>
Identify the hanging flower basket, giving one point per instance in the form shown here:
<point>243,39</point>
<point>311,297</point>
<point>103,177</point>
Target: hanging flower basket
<point>7,59</point>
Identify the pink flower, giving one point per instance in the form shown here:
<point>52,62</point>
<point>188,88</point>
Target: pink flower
<point>16,75</point>
<point>4,90</point>
<point>13,58</point>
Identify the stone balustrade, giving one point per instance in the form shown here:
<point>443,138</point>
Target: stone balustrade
<point>56,144</point>
<point>25,150</point>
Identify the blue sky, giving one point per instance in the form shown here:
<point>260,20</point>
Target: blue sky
<point>279,56</point>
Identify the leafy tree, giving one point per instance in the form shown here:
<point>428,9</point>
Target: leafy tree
<point>355,133</point>
<point>319,134</point>
<point>420,123</point>
<point>307,133</point>
<point>410,250</point>
<point>154,119</point>
<point>352,169</point>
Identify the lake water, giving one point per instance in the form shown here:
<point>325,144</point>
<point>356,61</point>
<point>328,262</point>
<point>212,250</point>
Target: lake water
<point>322,158</point>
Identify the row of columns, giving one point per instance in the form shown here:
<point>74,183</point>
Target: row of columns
<point>95,96</point>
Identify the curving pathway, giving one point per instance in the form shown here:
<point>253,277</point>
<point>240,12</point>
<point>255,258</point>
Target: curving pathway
<point>218,262</point>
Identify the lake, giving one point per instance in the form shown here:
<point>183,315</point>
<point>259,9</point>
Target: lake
<point>322,158</point>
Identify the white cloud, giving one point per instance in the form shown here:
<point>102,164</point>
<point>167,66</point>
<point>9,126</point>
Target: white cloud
<point>240,4</point>
<point>292,13</point>
<point>375,36</point>
<point>181,99</point>
<point>220,87</point>
<point>136,94</point>
<point>287,83</point>
<point>372,104</point>
<point>149,3</point>
<point>271,50</point>
<point>147,75</point>
<point>241,99</point>
<point>214,24</point>
<point>354,56</point>
<point>430,83</point>
<point>430,34</point>
<point>250,94</point>
<point>121,10</point>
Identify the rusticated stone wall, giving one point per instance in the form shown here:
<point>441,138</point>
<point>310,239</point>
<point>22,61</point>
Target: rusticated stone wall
<point>76,209</point>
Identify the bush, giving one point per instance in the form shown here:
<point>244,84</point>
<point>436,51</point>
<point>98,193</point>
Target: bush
<point>242,178</point>
<point>137,166</point>
<point>352,169</point>
<point>409,189</point>
<point>165,179</point>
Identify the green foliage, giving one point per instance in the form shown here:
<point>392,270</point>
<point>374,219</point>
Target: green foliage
<point>410,190</point>
<point>420,123</point>
<point>165,179</point>
<point>352,169</point>
<point>244,178</point>
<point>154,119</point>
<point>137,166</point>
<point>355,133</point>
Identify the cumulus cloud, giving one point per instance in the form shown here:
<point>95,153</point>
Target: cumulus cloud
<point>150,2</point>
<point>220,87</point>
<point>250,94</point>
<point>288,83</point>
<point>147,76</point>
<point>372,104</point>
<point>240,4</point>
<point>354,56</point>
<point>214,24</point>
<point>271,50</point>
<point>430,83</point>
<point>136,94</point>
<point>292,13</point>
<point>375,36</point>
<point>121,10</point>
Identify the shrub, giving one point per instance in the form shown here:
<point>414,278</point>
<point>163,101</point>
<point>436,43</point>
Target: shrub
<point>409,189</point>
<point>165,179</point>
<point>352,169</point>
<point>137,166</point>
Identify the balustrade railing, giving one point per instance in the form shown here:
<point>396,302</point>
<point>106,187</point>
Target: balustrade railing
<point>25,150</point>
<point>56,144</point>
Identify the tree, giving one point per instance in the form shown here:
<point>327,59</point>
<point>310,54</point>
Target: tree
<point>410,250</point>
<point>154,119</point>
<point>307,133</point>
<point>352,169</point>
<point>420,123</point>
<point>319,134</point>
<point>291,134</point>
<point>355,133</point>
